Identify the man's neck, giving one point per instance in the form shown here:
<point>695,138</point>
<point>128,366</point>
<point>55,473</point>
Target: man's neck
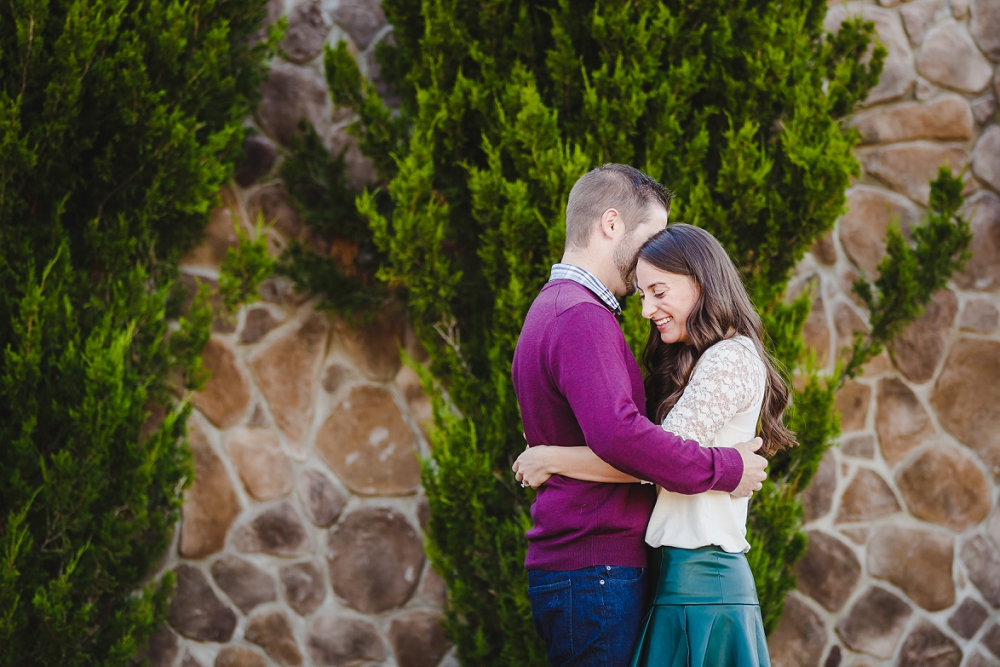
<point>599,268</point>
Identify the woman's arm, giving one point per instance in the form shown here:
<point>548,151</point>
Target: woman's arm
<point>536,464</point>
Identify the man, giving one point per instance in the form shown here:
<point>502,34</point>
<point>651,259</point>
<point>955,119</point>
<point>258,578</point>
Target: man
<point>578,384</point>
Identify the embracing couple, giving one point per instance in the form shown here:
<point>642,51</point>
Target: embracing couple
<point>619,465</point>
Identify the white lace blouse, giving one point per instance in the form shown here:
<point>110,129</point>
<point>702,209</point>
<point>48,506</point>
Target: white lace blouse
<point>719,408</point>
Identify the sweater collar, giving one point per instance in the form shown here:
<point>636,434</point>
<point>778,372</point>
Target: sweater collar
<point>588,280</point>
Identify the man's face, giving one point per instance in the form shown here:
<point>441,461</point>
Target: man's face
<point>656,219</point>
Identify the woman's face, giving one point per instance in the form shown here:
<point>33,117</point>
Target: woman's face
<point>667,300</point>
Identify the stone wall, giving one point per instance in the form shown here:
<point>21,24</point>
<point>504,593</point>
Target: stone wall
<point>902,566</point>
<point>300,538</point>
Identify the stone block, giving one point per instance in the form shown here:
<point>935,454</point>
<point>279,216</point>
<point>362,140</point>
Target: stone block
<point>950,58</point>
<point>292,94</point>
<point>824,250</point>
<point>334,377</point>
<point>210,503</point>
<point>966,398</point>
<point>816,332</point>
<point>375,559</point>
<point>418,639</point>
<point>898,74</point>
<point>986,157</point>
<point>909,168</point>
<point>875,623</point>
<point>847,321</point>
<point>945,486</point>
<point>272,204</point>
<point>342,640</point>
<point>829,571</point>
<point>968,618</point>
<point>918,17</point>
<point>260,462</point>
<point>985,26</point>
<point>852,404</point>
<point>857,535</point>
<point>919,348</point>
<point>993,528</point>
<point>321,500</point>
<point>863,227</point>
<point>366,442</point>
<point>433,590</point>
<point>258,322</point>
<point>304,587</point>
<point>277,530</point>
<point>983,565</point>
<point>919,562</point>
<point>947,117</point>
<point>991,639</point>
<point>195,611</point>
<point>818,496</point>
<point>272,632</point>
<point>259,155</point>
<point>246,584</point>
<point>227,393</point>
<point>862,446</point>
<point>374,347</point>
<point>980,315</point>
<point>361,19</point>
<point>161,649</point>
<point>306,32</point>
<point>800,637</point>
<point>220,233</point>
<point>901,421</point>
<point>239,656</point>
<point>867,497</point>
<point>286,370</point>
<point>984,110</point>
<point>926,646</point>
<point>982,271</point>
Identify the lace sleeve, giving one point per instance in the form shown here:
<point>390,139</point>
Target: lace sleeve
<point>728,379</point>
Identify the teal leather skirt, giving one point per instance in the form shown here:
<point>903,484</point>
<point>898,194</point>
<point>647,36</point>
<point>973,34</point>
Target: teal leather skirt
<point>704,612</point>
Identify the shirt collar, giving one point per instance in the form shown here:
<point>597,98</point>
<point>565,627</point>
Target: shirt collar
<point>588,280</point>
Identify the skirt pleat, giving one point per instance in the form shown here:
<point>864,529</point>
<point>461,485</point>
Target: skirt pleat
<point>704,614</point>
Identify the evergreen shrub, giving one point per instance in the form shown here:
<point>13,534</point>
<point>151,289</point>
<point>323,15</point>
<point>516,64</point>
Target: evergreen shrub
<point>739,107</point>
<point>120,120</point>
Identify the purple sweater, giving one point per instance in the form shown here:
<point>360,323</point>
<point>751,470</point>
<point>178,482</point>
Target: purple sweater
<point>578,384</point>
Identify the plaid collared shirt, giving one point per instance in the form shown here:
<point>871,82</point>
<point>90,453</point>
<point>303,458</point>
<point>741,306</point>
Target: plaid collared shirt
<point>588,280</point>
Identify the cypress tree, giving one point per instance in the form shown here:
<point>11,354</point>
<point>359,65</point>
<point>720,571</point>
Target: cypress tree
<point>119,122</point>
<point>738,107</point>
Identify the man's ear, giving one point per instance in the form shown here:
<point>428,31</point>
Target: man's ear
<point>611,223</point>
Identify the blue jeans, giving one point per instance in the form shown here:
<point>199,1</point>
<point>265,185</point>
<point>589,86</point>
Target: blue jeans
<point>590,617</point>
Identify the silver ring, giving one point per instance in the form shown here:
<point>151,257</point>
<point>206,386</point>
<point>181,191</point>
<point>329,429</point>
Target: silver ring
<point>523,485</point>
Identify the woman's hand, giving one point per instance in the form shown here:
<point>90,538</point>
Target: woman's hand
<point>532,467</point>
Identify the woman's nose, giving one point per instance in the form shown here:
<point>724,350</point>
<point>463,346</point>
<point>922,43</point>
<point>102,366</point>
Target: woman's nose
<point>648,309</point>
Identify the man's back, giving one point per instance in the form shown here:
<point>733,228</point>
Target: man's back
<point>578,524</point>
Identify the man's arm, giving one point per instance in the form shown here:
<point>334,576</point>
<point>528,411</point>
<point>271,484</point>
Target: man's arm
<point>588,367</point>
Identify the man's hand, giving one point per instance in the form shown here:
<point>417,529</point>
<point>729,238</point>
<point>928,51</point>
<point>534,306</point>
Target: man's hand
<point>753,468</point>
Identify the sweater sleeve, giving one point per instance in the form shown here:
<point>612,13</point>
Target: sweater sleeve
<point>586,359</point>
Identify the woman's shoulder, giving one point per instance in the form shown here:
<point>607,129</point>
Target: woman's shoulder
<point>737,349</point>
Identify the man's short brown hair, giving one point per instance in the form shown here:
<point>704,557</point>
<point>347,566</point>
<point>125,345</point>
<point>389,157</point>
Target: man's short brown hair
<point>617,186</point>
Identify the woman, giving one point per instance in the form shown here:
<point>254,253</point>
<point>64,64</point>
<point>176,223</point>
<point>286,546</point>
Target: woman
<point>710,380</point>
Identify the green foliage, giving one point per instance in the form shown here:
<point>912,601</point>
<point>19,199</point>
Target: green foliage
<point>244,268</point>
<point>317,184</point>
<point>909,277</point>
<point>119,122</point>
<point>736,106</point>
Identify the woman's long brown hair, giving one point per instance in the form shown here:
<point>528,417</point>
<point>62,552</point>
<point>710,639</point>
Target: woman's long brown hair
<point>722,311</point>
